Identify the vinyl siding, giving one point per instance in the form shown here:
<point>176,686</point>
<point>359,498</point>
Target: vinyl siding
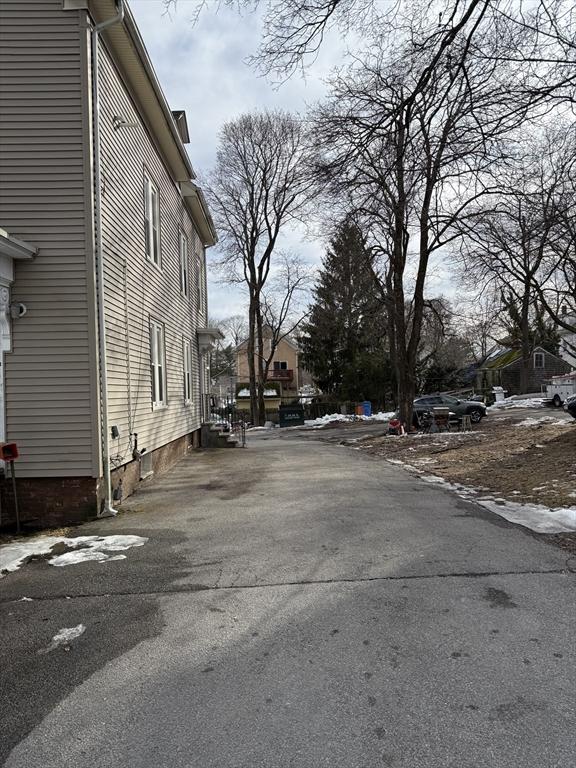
<point>43,159</point>
<point>136,290</point>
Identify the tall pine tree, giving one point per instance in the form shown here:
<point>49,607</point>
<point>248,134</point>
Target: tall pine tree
<point>344,341</point>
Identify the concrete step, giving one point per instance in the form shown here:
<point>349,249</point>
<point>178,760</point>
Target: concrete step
<point>214,437</point>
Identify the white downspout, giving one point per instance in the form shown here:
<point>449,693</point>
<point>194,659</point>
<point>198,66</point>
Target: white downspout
<point>107,510</point>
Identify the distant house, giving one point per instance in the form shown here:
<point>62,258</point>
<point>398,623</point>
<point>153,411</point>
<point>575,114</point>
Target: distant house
<point>502,367</point>
<point>102,257</point>
<point>568,340</point>
<point>284,368</point>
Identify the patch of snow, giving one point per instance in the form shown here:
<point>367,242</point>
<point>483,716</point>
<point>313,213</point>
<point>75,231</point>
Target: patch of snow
<point>64,637</point>
<point>321,421</point>
<point>534,516</point>
<point>267,393</point>
<point>533,421</point>
<point>85,548</point>
<point>24,600</point>
<point>512,402</point>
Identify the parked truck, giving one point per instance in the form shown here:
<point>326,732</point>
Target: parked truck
<point>559,388</point>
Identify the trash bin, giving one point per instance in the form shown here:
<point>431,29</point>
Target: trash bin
<point>367,406</point>
<point>359,410</point>
<point>291,415</point>
<point>499,394</point>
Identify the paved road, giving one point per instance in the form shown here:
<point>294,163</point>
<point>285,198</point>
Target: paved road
<point>297,604</point>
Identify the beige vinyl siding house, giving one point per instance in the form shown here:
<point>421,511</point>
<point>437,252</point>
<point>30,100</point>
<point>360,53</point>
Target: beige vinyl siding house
<point>49,395</point>
<point>48,199</point>
<point>284,367</point>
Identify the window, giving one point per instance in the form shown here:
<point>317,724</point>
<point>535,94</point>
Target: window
<point>280,365</point>
<point>538,359</point>
<point>157,364</point>
<point>201,278</point>
<point>187,352</point>
<point>152,220</point>
<point>183,264</point>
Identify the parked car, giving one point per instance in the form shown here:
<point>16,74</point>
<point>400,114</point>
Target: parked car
<point>570,405</point>
<point>473,408</point>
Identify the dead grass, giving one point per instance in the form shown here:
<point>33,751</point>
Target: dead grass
<point>535,464</point>
<point>530,464</point>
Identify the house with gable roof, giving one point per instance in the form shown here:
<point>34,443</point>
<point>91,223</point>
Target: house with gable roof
<point>104,311</point>
<point>502,367</point>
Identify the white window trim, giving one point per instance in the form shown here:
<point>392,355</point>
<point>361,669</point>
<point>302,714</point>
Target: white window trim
<point>187,368</point>
<point>184,263</point>
<point>157,364</point>
<point>152,221</point>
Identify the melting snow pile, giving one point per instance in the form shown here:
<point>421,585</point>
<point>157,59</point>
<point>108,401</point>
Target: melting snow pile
<point>330,417</point>
<point>83,549</point>
<point>512,402</point>
<point>534,516</point>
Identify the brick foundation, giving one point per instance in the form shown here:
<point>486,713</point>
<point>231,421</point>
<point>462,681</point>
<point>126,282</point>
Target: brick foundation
<point>127,477</point>
<point>48,502</point>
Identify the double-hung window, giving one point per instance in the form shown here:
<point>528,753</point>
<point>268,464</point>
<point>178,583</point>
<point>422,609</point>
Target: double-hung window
<point>183,264</point>
<point>187,352</point>
<point>201,281</point>
<point>538,359</point>
<point>157,364</point>
<point>152,220</point>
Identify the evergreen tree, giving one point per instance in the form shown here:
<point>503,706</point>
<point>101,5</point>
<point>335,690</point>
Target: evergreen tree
<point>344,340</point>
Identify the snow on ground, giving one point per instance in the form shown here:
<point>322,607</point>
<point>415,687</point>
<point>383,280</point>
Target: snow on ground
<point>330,417</point>
<point>513,402</point>
<point>533,421</point>
<point>64,637</point>
<point>534,516</point>
<point>84,548</point>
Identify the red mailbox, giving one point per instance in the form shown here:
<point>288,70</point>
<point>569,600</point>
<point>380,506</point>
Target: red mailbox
<point>8,451</point>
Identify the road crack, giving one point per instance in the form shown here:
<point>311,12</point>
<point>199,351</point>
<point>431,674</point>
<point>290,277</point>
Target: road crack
<point>191,588</point>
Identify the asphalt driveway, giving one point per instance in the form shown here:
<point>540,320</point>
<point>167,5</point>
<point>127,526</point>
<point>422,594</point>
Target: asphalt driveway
<point>297,604</point>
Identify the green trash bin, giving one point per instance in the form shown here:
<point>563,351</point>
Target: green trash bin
<point>291,415</point>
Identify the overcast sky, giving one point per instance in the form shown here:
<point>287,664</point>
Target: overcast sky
<point>201,67</point>
<point>202,70</point>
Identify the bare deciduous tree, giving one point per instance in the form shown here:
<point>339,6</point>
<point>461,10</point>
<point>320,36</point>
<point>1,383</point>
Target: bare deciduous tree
<point>258,186</point>
<point>413,167</point>
<point>284,304</point>
<point>521,240</point>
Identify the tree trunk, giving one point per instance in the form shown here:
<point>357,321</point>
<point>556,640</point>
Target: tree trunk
<point>251,351</point>
<point>526,341</point>
<point>261,375</point>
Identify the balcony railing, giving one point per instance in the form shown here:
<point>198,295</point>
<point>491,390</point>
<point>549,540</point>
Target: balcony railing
<point>280,375</point>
